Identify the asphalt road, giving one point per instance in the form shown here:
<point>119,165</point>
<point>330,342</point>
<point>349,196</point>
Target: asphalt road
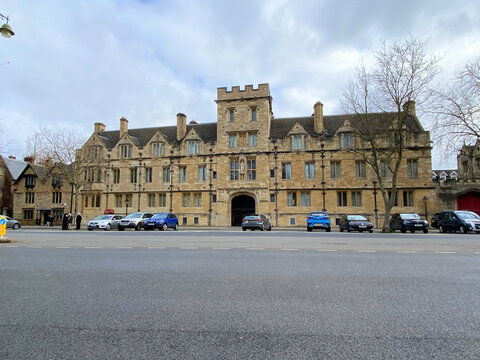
<point>133,298</point>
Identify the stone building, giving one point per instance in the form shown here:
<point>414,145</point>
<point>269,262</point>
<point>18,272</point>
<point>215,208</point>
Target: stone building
<point>40,191</point>
<point>245,162</point>
<point>460,189</point>
<point>10,170</point>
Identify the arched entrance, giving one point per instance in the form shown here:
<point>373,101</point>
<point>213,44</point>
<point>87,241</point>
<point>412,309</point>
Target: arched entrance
<point>469,201</point>
<point>242,205</point>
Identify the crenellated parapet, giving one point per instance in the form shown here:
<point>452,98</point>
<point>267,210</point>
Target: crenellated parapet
<point>249,92</point>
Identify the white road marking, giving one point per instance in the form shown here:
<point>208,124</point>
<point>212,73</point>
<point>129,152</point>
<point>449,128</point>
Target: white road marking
<point>254,248</point>
<point>406,251</point>
<point>367,251</point>
<point>155,247</point>
<point>445,252</point>
<point>63,247</point>
<point>93,247</point>
<point>11,246</point>
<point>289,249</point>
<point>123,247</point>
<point>327,250</point>
<point>221,248</point>
<point>188,248</point>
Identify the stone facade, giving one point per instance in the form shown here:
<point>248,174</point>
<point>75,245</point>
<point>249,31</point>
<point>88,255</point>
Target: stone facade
<point>245,162</point>
<point>40,191</point>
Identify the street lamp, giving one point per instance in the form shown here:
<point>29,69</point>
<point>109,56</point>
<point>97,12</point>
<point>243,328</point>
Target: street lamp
<point>127,202</point>
<point>322,156</point>
<point>275,170</point>
<point>425,201</point>
<point>210,185</point>
<point>139,179</point>
<point>375,202</point>
<point>6,30</point>
<point>170,173</point>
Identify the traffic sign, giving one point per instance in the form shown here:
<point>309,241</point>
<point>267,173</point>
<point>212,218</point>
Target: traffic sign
<point>3,225</point>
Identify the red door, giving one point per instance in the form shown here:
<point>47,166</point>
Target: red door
<point>469,202</point>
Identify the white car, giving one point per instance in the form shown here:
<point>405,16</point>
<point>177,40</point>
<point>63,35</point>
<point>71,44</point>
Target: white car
<point>134,220</point>
<point>104,222</point>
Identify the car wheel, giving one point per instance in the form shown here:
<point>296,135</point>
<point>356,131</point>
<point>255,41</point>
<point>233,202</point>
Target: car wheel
<point>348,229</point>
<point>16,226</point>
<point>138,227</point>
<point>403,230</point>
<point>441,229</point>
<point>328,229</point>
<point>176,227</point>
<point>462,229</point>
<point>243,229</point>
<point>270,228</point>
<point>164,227</point>
<point>425,231</point>
<point>309,229</point>
<point>108,227</point>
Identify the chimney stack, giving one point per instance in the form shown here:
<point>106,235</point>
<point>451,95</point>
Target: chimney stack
<point>318,126</point>
<point>123,126</point>
<point>409,108</point>
<point>181,126</point>
<point>99,127</point>
<point>12,157</point>
<point>29,159</point>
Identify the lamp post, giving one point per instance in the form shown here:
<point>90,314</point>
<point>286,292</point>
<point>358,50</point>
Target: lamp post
<point>170,172</point>
<point>126,205</point>
<point>275,171</point>
<point>375,210</point>
<point>139,179</point>
<point>6,30</point>
<point>425,201</point>
<point>107,179</point>
<point>322,156</point>
<point>210,185</point>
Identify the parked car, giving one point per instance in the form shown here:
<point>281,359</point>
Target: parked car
<point>256,221</point>
<point>161,221</point>
<point>410,221</point>
<point>318,220</point>
<point>134,220</point>
<point>355,223</point>
<point>460,220</point>
<point>104,222</point>
<point>434,221</point>
<point>14,224</point>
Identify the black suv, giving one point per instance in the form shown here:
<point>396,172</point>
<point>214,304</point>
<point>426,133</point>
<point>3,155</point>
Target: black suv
<point>458,220</point>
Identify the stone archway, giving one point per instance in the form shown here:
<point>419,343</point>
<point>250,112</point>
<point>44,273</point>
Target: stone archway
<point>242,205</point>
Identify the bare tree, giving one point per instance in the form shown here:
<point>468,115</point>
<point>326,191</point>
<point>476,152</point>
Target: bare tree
<point>457,110</point>
<point>64,146</point>
<point>382,99</point>
<point>38,147</point>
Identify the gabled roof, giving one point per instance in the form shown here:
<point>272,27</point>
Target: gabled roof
<point>15,167</point>
<point>40,170</point>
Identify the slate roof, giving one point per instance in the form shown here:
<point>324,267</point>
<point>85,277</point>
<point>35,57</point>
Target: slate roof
<point>15,167</point>
<point>279,128</point>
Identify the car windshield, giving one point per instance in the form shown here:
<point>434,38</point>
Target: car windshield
<point>103,217</point>
<point>357,217</point>
<point>160,216</point>
<point>134,215</point>
<point>410,216</point>
<point>318,214</point>
<point>464,215</point>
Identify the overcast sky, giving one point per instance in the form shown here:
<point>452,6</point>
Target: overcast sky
<point>74,63</point>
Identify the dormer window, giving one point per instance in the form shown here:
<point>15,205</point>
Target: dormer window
<point>345,140</point>
<point>193,147</point>
<point>298,142</point>
<point>158,149</point>
<point>30,181</point>
<point>94,152</point>
<point>126,151</point>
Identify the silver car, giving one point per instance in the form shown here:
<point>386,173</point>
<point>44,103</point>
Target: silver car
<point>14,224</point>
<point>104,222</point>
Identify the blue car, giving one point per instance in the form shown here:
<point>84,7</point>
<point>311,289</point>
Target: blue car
<point>318,220</point>
<point>161,221</point>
